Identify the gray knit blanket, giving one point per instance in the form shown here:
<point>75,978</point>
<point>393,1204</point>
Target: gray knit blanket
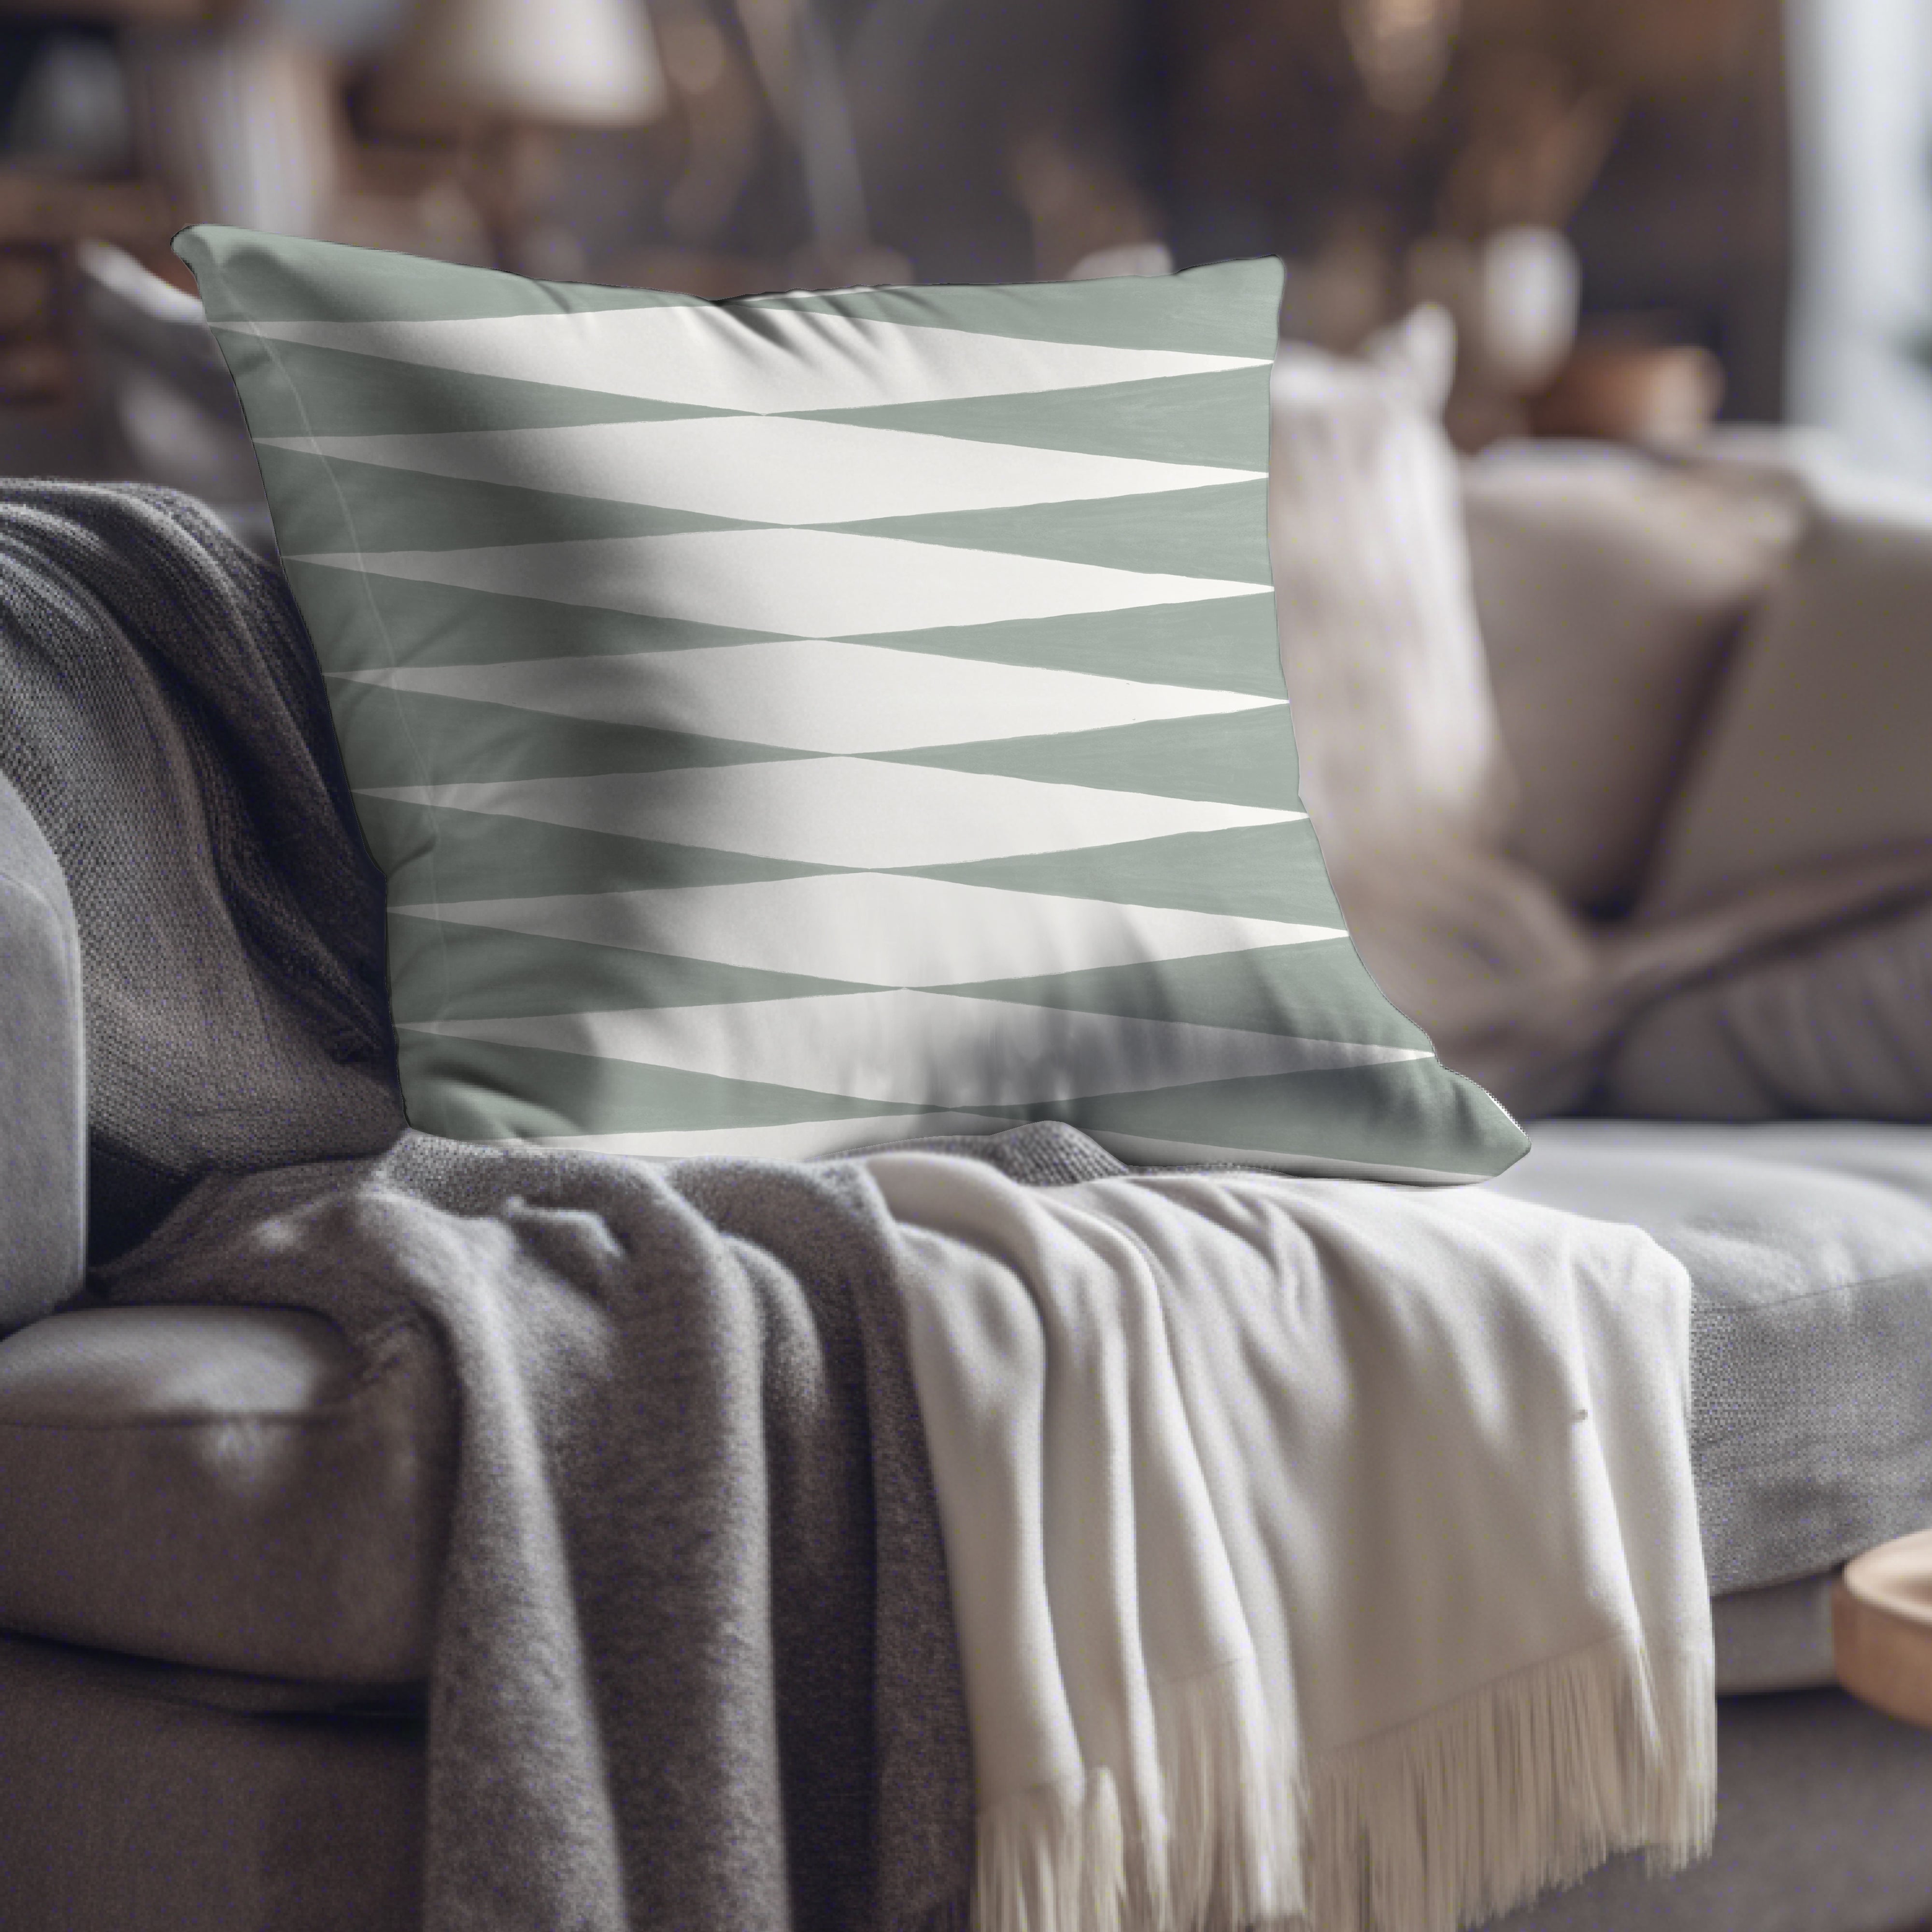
<point>693,1662</point>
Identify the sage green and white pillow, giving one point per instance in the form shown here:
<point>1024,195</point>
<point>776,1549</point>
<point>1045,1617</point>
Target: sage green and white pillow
<point>795,724</point>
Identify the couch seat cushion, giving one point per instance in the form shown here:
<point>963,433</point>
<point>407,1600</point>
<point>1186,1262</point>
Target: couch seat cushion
<point>236,1488</point>
<point>1810,1248</point>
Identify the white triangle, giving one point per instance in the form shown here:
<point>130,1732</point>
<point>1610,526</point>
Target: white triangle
<point>879,929</point>
<point>771,469</point>
<point>809,694</point>
<point>843,811</point>
<point>935,1049</point>
<point>803,584</point>
<point>759,361</point>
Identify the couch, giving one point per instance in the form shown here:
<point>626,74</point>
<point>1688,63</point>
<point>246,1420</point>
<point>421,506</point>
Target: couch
<point>219,1530</point>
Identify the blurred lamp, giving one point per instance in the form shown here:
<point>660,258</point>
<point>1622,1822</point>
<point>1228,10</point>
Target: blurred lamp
<point>1529,291</point>
<point>501,77</point>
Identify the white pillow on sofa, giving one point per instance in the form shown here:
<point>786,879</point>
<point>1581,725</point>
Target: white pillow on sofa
<point>1395,725</point>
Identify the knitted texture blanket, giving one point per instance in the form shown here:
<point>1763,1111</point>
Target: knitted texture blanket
<point>694,1664</point>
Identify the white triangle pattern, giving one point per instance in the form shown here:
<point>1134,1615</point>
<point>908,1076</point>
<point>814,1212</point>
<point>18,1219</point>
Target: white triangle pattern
<point>818,694</point>
<point>813,584</point>
<point>843,811</point>
<point>776,360</point>
<point>742,441</point>
<point>880,929</point>
<point>771,469</point>
<point>935,1049</point>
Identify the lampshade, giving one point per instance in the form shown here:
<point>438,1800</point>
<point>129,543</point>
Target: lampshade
<point>568,63</point>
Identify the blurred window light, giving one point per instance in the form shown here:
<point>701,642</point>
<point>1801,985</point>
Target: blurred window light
<point>1861,340</point>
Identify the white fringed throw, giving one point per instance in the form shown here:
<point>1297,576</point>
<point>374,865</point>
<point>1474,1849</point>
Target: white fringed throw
<point>1315,1547</point>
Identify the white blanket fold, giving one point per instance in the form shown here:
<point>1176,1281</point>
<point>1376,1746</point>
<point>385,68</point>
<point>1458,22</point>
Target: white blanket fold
<point>1320,1551</point>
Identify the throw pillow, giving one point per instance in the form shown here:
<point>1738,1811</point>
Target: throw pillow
<point>1839,1024</point>
<point>1379,646</point>
<point>818,720</point>
<point>1609,585</point>
<point>1816,747</point>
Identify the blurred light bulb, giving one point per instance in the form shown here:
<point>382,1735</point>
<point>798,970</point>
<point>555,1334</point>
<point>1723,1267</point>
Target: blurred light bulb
<point>1401,47</point>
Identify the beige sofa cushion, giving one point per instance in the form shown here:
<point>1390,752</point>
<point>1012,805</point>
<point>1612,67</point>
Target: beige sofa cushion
<point>1817,746</point>
<point>1609,586</point>
<point>1815,756</point>
<point>232,1488</point>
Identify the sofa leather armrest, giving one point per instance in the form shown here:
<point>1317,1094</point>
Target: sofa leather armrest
<point>43,1093</point>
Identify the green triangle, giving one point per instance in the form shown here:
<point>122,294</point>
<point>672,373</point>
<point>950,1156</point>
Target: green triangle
<point>245,277</point>
<point>441,855</point>
<point>1229,308</point>
<point>1256,872</point>
<point>1219,531</point>
<point>394,737</point>
<point>1411,1113</point>
<point>299,388</point>
<point>1220,419</point>
<point>442,970</point>
<point>1225,644</point>
<point>363,622</point>
<point>1235,757</point>
<point>482,1090</point>
<point>1320,990</point>
<point>328,504</point>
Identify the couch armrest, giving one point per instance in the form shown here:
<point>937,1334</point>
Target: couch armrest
<point>43,1097</point>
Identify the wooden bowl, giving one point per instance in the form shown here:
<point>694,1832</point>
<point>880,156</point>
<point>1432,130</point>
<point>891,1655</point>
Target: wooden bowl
<point>1882,1628</point>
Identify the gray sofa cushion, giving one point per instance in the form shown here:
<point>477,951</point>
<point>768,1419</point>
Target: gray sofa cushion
<point>1776,1639</point>
<point>231,1488</point>
<point>129,1803</point>
<point>43,1113</point>
<point>1839,1028</point>
<point>1809,1249</point>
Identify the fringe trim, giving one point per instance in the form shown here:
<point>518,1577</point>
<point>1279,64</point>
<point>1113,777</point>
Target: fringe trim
<point>1052,1859</point>
<point>1683,1817</point>
<point>1232,1853</point>
<point>1527,1783</point>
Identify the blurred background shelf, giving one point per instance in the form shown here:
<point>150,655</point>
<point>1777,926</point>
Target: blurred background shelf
<point>1639,211</point>
<point>174,13</point>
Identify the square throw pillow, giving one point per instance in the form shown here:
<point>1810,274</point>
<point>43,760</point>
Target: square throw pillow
<point>801,723</point>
